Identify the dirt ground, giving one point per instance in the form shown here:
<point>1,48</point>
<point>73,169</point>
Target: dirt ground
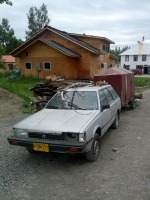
<point>122,171</point>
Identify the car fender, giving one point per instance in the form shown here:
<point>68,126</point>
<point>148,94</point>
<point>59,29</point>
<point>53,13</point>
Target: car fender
<point>88,147</point>
<point>95,130</point>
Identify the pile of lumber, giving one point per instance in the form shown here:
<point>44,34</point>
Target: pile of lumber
<point>44,91</point>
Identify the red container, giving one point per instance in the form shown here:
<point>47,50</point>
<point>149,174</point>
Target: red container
<point>122,81</point>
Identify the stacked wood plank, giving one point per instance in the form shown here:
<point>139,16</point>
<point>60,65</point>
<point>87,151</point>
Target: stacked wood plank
<point>43,92</point>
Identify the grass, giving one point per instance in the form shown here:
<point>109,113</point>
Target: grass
<point>142,82</point>
<point>19,86</point>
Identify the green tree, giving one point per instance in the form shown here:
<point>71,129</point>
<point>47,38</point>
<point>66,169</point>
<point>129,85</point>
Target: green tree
<point>7,38</point>
<point>1,50</point>
<point>117,51</point>
<point>1,53</point>
<point>37,19</point>
<point>6,1</point>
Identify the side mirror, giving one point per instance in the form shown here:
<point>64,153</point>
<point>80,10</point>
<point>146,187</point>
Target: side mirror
<point>105,107</point>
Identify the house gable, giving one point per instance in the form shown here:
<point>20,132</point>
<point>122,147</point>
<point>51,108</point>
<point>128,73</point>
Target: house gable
<point>44,33</point>
<point>67,55</point>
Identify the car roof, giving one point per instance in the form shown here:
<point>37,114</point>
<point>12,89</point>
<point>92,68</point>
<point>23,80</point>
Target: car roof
<point>88,88</point>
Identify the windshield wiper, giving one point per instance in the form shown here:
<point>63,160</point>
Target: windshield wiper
<point>75,106</point>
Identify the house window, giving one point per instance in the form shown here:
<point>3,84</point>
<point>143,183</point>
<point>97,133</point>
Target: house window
<point>28,66</point>
<point>127,67</point>
<point>135,58</point>
<point>104,47</point>
<point>47,66</point>
<point>102,65</point>
<point>144,57</point>
<point>107,49</point>
<point>11,67</point>
<point>139,67</point>
<point>126,58</point>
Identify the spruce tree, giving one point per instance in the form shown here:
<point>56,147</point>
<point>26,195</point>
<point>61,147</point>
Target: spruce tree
<point>37,19</point>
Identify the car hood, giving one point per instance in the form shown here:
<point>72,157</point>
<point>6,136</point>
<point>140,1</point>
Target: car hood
<point>57,120</point>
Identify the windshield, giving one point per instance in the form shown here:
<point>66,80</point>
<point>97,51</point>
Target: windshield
<point>82,100</point>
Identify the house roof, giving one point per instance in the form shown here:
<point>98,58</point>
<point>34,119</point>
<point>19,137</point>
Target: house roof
<point>8,59</point>
<point>139,49</point>
<point>60,47</point>
<point>74,40</point>
<point>114,71</point>
<point>92,36</point>
<point>58,32</point>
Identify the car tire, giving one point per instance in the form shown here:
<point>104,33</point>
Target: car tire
<point>93,154</point>
<point>116,122</point>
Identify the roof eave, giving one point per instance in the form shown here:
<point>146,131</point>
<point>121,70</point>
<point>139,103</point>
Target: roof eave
<point>13,52</point>
<point>92,36</point>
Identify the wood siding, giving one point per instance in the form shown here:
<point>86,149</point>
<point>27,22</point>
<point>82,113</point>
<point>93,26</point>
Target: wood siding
<point>61,64</point>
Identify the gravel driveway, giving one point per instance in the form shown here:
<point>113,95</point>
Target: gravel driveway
<point>122,171</point>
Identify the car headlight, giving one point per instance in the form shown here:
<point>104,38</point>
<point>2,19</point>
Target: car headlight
<point>82,137</point>
<point>20,133</point>
<point>75,137</point>
<point>71,137</point>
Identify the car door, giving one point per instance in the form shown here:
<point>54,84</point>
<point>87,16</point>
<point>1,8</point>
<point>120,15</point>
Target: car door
<point>105,113</point>
<point>112,103</point>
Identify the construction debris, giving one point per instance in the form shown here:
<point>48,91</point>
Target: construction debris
<point>138,95</point>
<point>44,91</point>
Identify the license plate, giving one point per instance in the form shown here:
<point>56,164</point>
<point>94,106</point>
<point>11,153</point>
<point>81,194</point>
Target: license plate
<point>41,147</point>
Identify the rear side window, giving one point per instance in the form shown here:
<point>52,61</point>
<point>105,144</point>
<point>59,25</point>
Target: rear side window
<point>108,95</point>
<point>103,99</point>
<point>113,93</point>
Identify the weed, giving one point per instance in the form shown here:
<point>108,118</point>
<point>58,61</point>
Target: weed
<point>19,86</point>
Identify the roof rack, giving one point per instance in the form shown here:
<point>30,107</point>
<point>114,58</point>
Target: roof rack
<point>101,83</point>
<point>79,84</point>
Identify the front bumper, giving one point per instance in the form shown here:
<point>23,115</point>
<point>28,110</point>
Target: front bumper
<point>53,146</point>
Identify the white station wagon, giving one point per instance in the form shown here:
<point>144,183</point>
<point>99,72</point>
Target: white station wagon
<point>73,121</point>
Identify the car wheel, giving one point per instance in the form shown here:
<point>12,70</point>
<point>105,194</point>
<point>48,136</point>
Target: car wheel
<point>116,122</point>
<point>93,154</point>
<point>132,104</point>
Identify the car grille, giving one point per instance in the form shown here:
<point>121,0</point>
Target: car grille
<point>46,136</point>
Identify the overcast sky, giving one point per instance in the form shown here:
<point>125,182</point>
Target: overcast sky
<point>123,21</point>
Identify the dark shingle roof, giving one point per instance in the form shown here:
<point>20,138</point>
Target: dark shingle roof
<point>91,36</point>
<point>60,48</point>
<point>77,41</point>
<point>63,34</point>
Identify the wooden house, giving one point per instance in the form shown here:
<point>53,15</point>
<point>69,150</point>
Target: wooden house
<point>69,55</point>
<point>7,63</point>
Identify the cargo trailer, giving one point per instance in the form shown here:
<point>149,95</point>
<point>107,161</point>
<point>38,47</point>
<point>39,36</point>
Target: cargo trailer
<point>122,81</point>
